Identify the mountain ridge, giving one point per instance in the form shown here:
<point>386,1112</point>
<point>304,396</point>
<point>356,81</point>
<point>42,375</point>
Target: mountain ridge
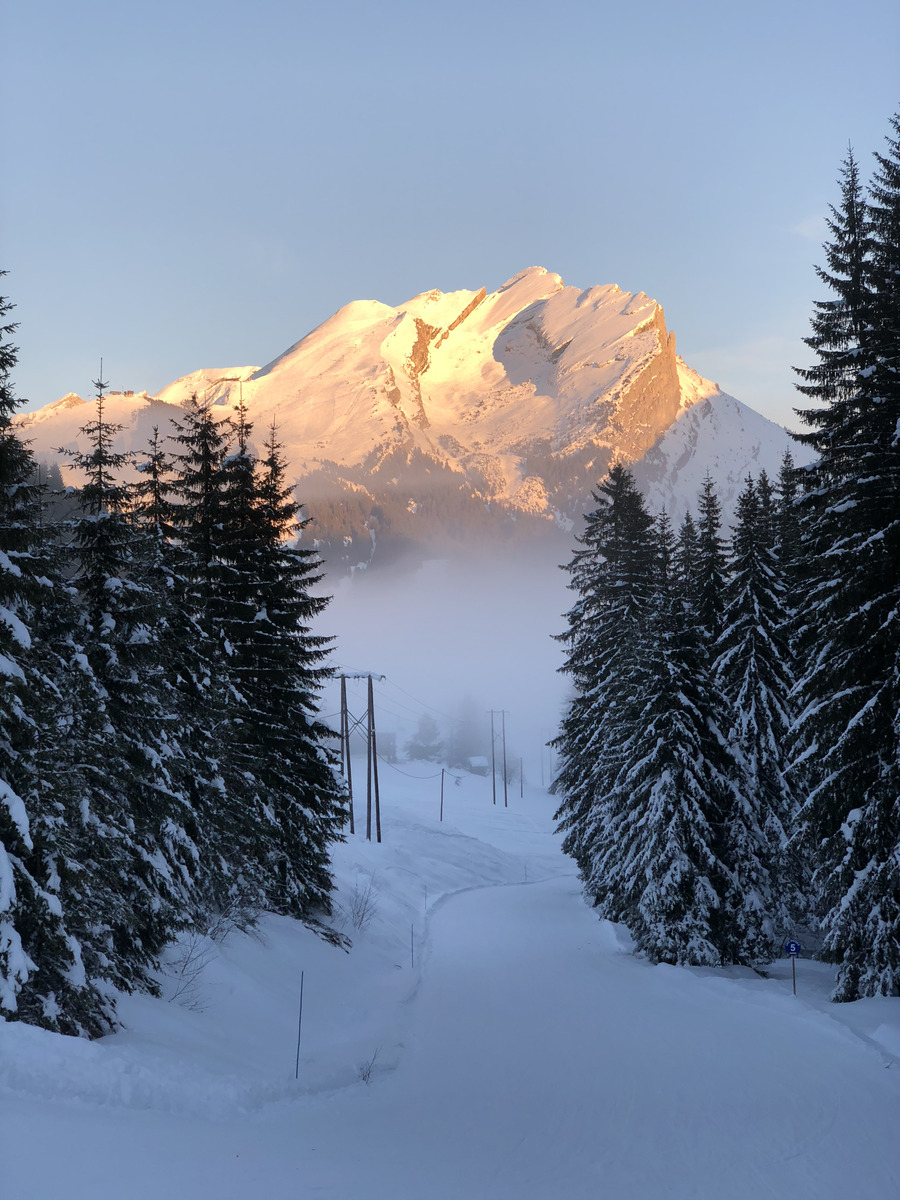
<point>459,413</point>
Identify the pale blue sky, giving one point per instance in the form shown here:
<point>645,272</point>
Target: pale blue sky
<point>200,183</point>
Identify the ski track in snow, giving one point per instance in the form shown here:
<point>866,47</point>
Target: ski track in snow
<point>526,1054</point>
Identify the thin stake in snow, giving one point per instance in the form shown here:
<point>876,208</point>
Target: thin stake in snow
<point>442,794</point>
<point>299,1029</point>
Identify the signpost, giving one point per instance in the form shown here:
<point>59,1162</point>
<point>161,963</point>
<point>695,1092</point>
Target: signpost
<point>793,948</point>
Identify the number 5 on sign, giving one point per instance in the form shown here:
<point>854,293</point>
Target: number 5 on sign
<point>793,949</point>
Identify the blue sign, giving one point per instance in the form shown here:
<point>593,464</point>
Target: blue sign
<point>791,947</point>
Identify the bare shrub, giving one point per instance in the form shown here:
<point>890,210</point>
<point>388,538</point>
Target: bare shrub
<point>236,912</point>
<point>366,1069</point>
<point>362,904</point>
<point>187,960</point>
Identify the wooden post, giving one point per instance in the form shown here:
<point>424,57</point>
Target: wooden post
<point>505,783</point>
<point>299,1029</point>
<point>794,971</point>
<point>493,764</point>
<point>374,761</point>
<point>369,766</point>
<point>343,724</point>
<point>345,748</point>
<point>442,793</point>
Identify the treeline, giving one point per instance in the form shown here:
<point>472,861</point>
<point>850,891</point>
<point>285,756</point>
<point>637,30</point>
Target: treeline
<point>677,804</point>
<point>161,758</point>
<point>731,756</point>
<point>398,502</point>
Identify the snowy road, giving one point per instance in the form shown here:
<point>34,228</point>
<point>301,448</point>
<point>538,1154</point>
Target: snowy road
<point>539,1061</point>
<point>545,1063</point>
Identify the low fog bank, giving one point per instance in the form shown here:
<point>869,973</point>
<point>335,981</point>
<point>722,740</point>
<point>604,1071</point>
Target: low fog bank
<point>454,639</point>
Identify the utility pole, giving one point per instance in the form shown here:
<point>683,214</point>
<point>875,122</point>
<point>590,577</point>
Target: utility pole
<point>371,751</point>
<point>373,759</point>
<point>505,796</point>
<point>345,748</point>
<point>369,766</point>
<point>493,760</point>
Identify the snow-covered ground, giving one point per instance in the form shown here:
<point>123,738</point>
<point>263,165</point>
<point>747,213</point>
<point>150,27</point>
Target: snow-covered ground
<point>486,1038</point>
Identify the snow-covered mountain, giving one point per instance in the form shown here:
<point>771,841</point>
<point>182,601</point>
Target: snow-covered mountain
<point>461,416</point>
<point>719,435</point>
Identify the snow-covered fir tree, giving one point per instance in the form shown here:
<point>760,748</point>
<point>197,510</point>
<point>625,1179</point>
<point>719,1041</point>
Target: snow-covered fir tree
<point>710,565</point>
<point>136,854</point>
<point>753,668</point>
<point>277,666</point>
<point>161,753</point>
<point>788,542</point>
<point>207,696</point>
<point>669,801</point>
<point>612,576</point>
<point>850,690</point>
<point>659,805</point>
<point>42,978</point>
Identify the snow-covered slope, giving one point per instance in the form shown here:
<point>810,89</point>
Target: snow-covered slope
<point>486,1038</point>
<point>533,360</point>
<point>404,423</point>
<point>715,434</point>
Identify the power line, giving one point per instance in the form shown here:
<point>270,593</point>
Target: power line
<point>423,703</point>
<point>393,767</point>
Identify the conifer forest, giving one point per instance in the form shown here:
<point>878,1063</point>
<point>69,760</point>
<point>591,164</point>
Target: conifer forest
<point>163,764</point>
<point>731,752</point>
<point>729,758</point>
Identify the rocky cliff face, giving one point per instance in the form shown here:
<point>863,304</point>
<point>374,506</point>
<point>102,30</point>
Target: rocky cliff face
<point>453,418</point>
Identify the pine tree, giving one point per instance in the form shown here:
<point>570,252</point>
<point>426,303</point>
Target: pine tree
<point>249,591</point>
<point>278,671</point>
<point>753,669</point>
<point>656,804</point>
<point>136,856</point>
<point>207,697</point>
<point>847,733</point>
<point>467,738</point>
<point>684,564</point>
<point>612,575</point>
<point>840,323</point>
<point>787,529</point>
<point>41,975</point>
<point>663,847</point>
<point>767,501</point>
<point>710,565</point>
<point>425,744</point>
